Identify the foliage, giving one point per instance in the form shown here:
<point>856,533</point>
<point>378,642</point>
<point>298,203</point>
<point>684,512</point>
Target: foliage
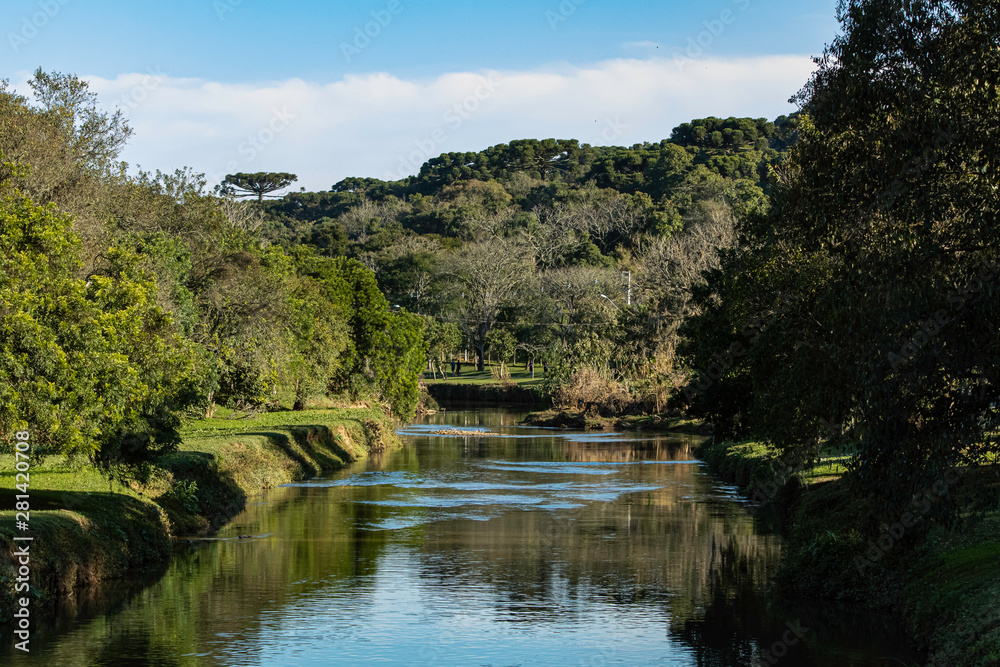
<point>443,339</point>
<point>501,343</point>
<point>257,185</point>
<point>91,367</point>
<point>129,300</point>
<point>871,309</point>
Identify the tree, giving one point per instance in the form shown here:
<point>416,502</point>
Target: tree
<point>489,275</point>
<point>256,185</point>
<point>386,351</point>
<point>399,359</point>
<point>318,331</point>
<point>66,149</point>
<point>501,342</point>
<point>442,339</point>
<point>96,136</point>
<point>866,306</point>
<point>92,368</point>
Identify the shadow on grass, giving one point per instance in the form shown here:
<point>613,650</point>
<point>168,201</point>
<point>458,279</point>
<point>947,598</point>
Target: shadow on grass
<point>99,536</point>
<point>322,445</point>
<point>218,495</point>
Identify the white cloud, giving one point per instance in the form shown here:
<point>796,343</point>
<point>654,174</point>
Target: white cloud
<point>383,126</point>
<point>642,48</point>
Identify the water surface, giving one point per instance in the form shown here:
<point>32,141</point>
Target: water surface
<point>527,547</point>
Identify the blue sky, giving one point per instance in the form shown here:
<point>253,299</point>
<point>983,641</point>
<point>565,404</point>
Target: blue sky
<point>332,89</point>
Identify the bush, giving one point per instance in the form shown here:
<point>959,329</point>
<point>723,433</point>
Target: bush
<point>185,491</point>
<point>589,390</point>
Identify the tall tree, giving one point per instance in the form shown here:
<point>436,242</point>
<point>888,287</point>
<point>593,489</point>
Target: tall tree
<point>256,185</point>
<point>488,275</point>
<point>867,306</point>
<point>92,367</point>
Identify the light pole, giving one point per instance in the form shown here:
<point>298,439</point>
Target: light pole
<point>628,298</point>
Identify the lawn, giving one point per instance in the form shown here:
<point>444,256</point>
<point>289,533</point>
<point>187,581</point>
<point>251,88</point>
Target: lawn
<point>470,375</point>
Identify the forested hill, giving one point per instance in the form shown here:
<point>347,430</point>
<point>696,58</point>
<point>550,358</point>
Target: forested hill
<point>533,175</point>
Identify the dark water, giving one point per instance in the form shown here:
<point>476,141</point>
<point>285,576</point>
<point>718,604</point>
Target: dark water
<point>532,547</point>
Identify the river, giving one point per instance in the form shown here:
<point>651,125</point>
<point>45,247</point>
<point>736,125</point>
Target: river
<point>528,547</point>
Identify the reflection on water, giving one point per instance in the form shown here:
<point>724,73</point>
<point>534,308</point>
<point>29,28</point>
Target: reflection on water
<point>528,547</point>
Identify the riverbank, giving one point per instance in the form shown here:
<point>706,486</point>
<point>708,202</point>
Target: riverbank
<point>86,531</point>
<point>489,393</point>
<point>947,587</point>
<point>579,419</point>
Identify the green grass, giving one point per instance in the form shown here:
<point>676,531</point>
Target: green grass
<point>954,594</point>
<point>948,585</point>
<point>87,529</point>
<point>56,474</point>
<point>470,375</point>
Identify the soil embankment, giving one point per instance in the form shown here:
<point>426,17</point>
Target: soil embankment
<point>946,584</point>
<point>85,532</point>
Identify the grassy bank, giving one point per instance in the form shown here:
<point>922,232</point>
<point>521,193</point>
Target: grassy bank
<point>476,387</point>
<point>946,583</point>
<point>86,531</point>
<point>470,376</point>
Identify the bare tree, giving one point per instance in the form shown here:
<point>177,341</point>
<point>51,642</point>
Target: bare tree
<point>670,268</point>
<point>554,236</point>
<point>368,217</point>
<point>490,275</point>
<point>241,214</point>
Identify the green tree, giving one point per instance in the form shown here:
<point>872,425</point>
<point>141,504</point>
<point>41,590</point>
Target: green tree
<point>319,339</point>
<point>257,185</point>
<point>866,305</point>
<point>65,149</point>
<point>386,351</point>
<point>91,368</point>
<point>442,339</point>
<point>502,343</point>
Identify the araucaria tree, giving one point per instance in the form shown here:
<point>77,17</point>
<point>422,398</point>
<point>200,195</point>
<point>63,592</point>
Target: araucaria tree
<point>258,185</point>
